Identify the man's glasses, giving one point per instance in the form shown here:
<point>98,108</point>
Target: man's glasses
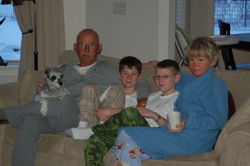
<point>164,77</point>
<point>89,45</point>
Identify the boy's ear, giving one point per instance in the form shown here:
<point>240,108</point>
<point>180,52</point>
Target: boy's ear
<point>75,47</point>
<point>140,76</point>
<point>99,48</point>
<point>177,77</point>
<point>119,75</point>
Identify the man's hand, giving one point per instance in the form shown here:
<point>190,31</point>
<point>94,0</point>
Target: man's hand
<point>179,126</point>
<point>40,86</point>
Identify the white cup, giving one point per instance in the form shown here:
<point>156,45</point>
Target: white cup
<point>174,118</point>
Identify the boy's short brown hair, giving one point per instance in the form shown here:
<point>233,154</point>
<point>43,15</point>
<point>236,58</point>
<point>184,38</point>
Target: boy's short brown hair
<point>169,64</point>
<point>130,62</point>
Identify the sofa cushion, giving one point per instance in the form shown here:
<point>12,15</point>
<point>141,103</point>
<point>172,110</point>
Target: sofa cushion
<point>56,143</point>
<point>197,159</point>
<point>67,56</point>
<point>204,159</point>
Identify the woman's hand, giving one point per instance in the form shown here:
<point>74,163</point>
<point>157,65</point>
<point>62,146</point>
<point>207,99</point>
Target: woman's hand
<point>40,86</point>
<point>179,126</point>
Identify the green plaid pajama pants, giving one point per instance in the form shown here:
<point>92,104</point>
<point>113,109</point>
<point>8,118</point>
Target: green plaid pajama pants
<point>105,134</point>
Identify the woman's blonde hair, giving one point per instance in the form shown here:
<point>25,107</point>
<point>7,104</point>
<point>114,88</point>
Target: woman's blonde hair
<point>204,47</point>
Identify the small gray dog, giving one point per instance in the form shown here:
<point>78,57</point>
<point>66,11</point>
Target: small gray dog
<point>53,89</point>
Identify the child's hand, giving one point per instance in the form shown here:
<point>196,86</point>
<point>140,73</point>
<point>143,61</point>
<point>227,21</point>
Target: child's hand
<point>146,113</point>
<point>40,86</point>
<point>179,126</point>
<point>103,114</point>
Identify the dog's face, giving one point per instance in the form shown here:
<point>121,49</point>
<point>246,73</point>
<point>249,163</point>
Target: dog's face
<point>54,77</point>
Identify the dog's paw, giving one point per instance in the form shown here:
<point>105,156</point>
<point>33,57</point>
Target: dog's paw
<point>44,107</point>
<point>44,111</point>
<point>37,98</point>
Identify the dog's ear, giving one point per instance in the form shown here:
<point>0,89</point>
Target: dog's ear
<point>58,68</point>
<point>47,70</point>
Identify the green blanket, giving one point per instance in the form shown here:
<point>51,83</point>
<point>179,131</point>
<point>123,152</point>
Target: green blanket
<point>105,134</point>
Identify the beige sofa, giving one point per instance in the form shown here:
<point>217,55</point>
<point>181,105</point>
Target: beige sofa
<point>232,147</point>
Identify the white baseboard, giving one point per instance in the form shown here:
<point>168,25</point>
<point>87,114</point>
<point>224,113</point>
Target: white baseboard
<point>8,74</point>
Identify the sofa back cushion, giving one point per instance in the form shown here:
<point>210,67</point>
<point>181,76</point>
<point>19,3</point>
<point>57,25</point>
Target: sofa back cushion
<point>238,84</point>
<point>67,56</point>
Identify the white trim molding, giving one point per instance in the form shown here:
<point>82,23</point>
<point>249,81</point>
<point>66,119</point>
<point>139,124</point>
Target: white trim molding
<point>166,29</point>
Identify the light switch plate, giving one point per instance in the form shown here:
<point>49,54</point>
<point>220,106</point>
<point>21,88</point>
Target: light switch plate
<point>120,8</point>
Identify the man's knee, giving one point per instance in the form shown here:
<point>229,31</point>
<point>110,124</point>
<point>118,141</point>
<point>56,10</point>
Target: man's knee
<point>90,89</point>
<point>89,98</point>
<point>36,125</point>
<point>115,97</point>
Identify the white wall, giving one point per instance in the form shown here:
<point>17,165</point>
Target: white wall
<point>134,33</point>
<point>75,20</point>
<point>166,29</point>
<point>146,31</point>
<point>201,21</point>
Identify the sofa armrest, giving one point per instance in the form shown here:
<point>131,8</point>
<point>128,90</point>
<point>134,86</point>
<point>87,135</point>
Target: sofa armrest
<point>28,85</point>
<point>9,94</point>
<point>14,94</point>
<point>236,148</point>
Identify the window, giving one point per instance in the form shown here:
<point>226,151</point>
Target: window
<point>234,12</point>
<point>10,34</point>
<point>180,13</point>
